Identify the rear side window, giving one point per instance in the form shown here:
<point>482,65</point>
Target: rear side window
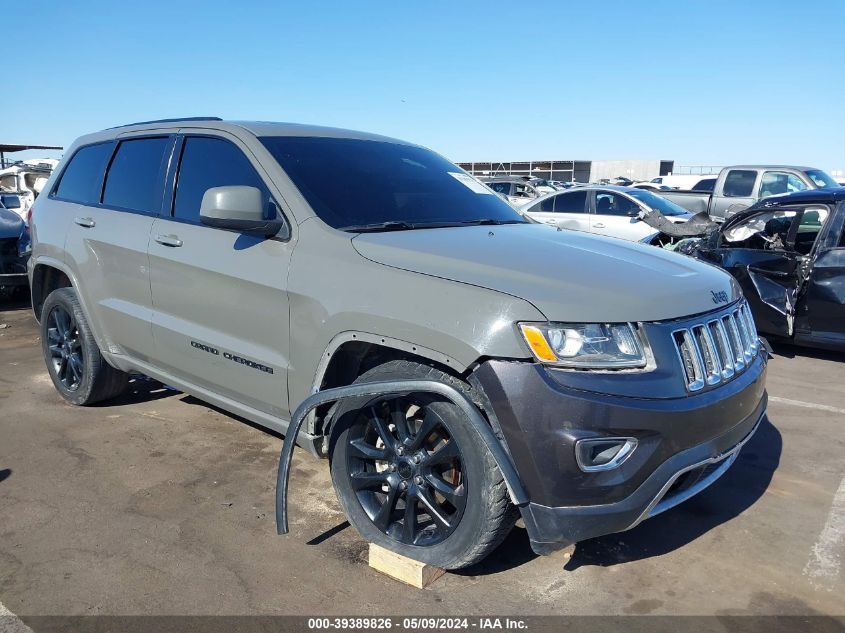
<point>501,187</point>
<point>213,162</point>
<point>83,177</point>
<point>547,205</point>
<point>739,183</point>
<point>134,178</point>
<point>705,185</point>
<point>574,202</point>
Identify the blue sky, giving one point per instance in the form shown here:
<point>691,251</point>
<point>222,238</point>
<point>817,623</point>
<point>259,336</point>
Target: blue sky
<point>698,82</point>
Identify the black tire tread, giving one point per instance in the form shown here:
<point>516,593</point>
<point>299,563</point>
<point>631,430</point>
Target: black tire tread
<point>105,382</point>
<point>500,512</point>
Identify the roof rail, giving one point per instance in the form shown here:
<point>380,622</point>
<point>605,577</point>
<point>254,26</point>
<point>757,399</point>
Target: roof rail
<point>177,120</point>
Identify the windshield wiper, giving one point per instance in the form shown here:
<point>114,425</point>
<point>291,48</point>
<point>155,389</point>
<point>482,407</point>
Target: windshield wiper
<point>393,225</point>
<point>492,222</point>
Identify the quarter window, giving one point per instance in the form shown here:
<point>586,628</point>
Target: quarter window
<point>501,187</point>
<point>212,162</point>
<point>777,182</point>
<point>83,177</point>
<point>574,202</point>
<point>739,183</point>
<point>134,178</point>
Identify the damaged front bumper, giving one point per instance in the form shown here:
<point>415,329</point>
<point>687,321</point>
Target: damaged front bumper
<point>683,445</point>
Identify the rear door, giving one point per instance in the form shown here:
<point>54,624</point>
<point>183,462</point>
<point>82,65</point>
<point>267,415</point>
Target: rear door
<point>542,210</point>
<point>220,317</point>
<point>106,245</point>
<point>570,211</point>
<point>824,301</point>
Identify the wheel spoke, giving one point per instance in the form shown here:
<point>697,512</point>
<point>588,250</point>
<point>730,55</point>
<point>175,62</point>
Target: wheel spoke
<point>62,370</point>
<point>53,335</point>
<point>399,419</point>
<point>62,322</point>
<point>444,453</point>
<point>55,350</point>
<point>75,363</point>
<point>361,449</point>
<point>428,425</point>
<point>453,494</point>
<point>368,480</point>
<point>409,524</point>
<point>433,510</point>
<point>381,429</point>
<point>384,517</point>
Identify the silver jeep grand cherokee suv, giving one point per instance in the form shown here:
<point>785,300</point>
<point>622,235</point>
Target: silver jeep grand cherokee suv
<point>253,264</point>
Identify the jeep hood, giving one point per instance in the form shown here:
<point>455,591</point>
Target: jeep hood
<point>567,275</point>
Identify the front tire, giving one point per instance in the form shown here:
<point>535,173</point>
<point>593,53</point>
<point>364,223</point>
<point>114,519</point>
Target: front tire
<point>78,370</point>
<point>414,477</point>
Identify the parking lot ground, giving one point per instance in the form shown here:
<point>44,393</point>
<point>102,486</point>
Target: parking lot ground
<point>159,504</point>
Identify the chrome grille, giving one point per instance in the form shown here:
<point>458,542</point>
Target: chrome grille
<point>717,348</point>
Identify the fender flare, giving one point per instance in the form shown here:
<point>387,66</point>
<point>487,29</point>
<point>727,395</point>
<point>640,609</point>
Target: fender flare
<point>514,485</point>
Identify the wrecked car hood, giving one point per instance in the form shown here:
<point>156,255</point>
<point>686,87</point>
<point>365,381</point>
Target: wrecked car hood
<point>567,275</point>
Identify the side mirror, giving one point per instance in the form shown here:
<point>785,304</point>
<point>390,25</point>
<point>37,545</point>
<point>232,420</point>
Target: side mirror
<point>238,208</point>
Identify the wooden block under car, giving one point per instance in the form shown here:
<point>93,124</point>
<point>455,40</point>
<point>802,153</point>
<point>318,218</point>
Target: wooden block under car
<point>412,572</point>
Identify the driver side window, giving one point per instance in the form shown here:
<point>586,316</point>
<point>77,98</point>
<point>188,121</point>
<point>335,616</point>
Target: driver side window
<point>213,162</point>
<point>777,182</point>
<point>614,204</point>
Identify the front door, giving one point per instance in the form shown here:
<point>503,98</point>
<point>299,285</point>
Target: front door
<point>220,318</point>
<point>824,302</point>
<point>615,215</point>
<point>570,211</point>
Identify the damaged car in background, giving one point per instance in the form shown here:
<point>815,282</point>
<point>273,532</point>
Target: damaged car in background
<point>15,246</point>
<point>622,212</point>
<point>788,255</point>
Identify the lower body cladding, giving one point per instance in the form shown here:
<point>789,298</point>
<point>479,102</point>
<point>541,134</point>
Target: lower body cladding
<point>666,450</point>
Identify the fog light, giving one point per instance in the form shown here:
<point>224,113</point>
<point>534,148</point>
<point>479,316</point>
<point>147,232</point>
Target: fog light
<point>603,453</point>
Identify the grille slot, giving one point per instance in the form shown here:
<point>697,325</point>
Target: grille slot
<point>716,350</point>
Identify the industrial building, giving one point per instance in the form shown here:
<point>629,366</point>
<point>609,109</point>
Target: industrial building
<point>573,170</point>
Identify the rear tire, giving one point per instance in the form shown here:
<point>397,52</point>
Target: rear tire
<point>78,370</point>
<point>414,477</point>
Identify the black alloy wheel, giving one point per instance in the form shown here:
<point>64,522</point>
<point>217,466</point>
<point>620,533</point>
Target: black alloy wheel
<point>406,470</point>
<point>65,347</point>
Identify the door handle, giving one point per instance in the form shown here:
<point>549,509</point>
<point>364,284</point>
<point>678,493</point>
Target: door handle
<point>87,223</point>
<point>599,225</point>
<point>169,240</point>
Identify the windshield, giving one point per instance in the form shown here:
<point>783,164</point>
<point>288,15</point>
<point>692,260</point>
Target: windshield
<point>353,183</point>
<point>657,202</point>
<point>821,178</point>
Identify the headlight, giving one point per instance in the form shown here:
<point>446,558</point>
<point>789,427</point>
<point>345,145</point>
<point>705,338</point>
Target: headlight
<point>585,345</point>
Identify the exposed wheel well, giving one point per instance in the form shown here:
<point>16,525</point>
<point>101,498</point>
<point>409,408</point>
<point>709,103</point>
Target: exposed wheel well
<point>46,279</point>
<point>354,358</point>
